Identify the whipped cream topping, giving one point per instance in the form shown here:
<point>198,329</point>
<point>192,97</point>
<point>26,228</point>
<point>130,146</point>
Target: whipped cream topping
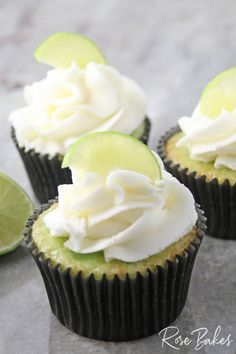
<point>69,103</point>
<point>210,139</point>
<point>125,215</point>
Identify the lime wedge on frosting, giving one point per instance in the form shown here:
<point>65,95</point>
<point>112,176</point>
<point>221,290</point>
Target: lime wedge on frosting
<point>104,152</point>
<point>61,49</point>
<point>219,94</point>
<point>15,208</point>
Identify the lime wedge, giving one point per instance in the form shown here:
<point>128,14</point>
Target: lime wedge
<point>219,94</point>
<point>61,49</point>
<point>15,208</point>
<point>104,152</point>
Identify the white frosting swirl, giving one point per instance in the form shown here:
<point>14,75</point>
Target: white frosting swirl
<point>125,215</point>
<point>210,139</point>
<point>69,103</point>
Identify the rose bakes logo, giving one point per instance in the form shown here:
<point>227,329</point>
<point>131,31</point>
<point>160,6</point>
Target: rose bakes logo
<point>198,338</point>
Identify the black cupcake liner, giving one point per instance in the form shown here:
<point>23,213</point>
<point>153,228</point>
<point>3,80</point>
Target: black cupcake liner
<point>218,200</point>
<point>147,128</point>
<point>45,173</point>
<point>117,309</point>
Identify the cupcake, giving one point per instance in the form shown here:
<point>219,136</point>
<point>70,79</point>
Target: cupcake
<point>81,94</point>
<point>201,153</point>
<point>117,248</point>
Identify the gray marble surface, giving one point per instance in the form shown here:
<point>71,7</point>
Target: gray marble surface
<point>172,48</point>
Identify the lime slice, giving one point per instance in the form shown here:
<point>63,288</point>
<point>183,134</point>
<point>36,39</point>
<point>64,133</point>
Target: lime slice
<point>106,151</point>
<point>219,94</point>
<point>61,49</point>
<point>15,208</point>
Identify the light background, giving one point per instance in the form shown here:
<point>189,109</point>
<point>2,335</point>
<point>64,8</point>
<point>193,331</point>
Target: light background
<point>172,48</point>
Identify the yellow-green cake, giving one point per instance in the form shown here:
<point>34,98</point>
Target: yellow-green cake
<point>180,155</point>
<point>94,263</point>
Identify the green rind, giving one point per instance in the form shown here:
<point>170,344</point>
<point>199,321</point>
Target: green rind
<point>73,152</point>
<point>212,102</point>
<point>54,49</point>
<point>138,133</point>
<point>19,236</point>
<point>11,248</point>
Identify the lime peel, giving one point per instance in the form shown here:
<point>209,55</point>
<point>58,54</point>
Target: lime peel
<point>219,95</point>
<point>61,49</point>
<point>103,152</point>
<point>15,208</point>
